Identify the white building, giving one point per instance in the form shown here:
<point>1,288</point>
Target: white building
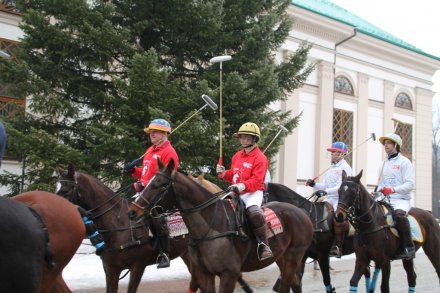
<point>378,78</point>
<point>364,78</point>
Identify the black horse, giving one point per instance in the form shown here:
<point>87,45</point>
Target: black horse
<point>375,239</point>
<point>322,218</point>
<point>23,244</point>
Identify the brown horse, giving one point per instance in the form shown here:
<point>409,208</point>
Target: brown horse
<point>321,215</point>
<point>23,245</point>
<point>127,245</point>
<point>66,231</point>
<point>375,240</point>
<point>214,233</point>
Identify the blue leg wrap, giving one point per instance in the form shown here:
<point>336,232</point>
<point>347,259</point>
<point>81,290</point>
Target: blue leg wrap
<point>328,288</point>
<point>367,284</point>
<point>353,289</point>
<point>412,290</point>
<point>374,280</point>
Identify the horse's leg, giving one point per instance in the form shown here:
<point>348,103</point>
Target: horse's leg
<point>324,264</point>
<point>228,280</point>
<point>111,279</point>
<point>290,268</point>
<point>371,286</point>
<point>386,272</point>
<point>359,269</point>
<point>411,275</point>
<point>136,273</point>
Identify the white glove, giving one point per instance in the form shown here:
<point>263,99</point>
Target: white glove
<point>221,171</point>
<point>237,188</point>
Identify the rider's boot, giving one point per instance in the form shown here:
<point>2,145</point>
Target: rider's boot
<point>163,259</point>
<point>256,217</point>
<point>403,227</point>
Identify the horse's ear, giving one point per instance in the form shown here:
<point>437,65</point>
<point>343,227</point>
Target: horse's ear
<point>201,176</point>
<point>170,166</point>
<point>359,176</point>
<point>160,165</point>
<point>71,171</point>
<point>344,175</point>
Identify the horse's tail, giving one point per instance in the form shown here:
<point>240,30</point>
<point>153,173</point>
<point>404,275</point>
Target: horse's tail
<point>48,254</point>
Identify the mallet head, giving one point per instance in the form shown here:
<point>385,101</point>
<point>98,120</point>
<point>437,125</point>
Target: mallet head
<point>210,102</point>
<point>218,59</point>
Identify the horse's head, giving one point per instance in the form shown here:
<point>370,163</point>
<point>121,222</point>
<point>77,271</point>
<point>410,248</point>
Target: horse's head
<point>153,199</point>
<point>67,185</point>
<point>349,192</point>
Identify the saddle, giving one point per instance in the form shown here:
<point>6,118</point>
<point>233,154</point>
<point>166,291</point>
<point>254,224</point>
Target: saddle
<point>416,231</point>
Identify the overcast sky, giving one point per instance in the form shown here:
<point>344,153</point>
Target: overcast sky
<point>415,22</point>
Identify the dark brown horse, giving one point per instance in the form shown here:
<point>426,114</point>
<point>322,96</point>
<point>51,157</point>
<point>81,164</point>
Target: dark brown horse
<point>374,239</point>
<point>66,231</point>
<point>321,215</point>
<point>217,247</point>
<point>127,245</point>
<point>23,244</point>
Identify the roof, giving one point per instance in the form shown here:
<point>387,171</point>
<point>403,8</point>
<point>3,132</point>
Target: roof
<point>333,11</point>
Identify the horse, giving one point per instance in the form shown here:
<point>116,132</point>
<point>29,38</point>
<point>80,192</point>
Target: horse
<point>214,233</point>
<point>321,215</point>
<point>127,245</point>
<point>23,244</point>
<point>375,239</point>
<point>66,231</point>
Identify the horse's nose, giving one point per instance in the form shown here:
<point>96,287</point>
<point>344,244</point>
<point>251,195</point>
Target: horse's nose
<point>132,215</point>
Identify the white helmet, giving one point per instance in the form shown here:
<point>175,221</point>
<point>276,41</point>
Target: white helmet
<point>393,137</point>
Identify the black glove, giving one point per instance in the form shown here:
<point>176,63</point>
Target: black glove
<point>320,193</point>
<point>310,182</point>
<point>130,166</point>
<point>138,186</point>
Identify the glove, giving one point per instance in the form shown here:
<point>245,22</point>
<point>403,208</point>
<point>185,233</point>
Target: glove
<point>320,193</point>
<point>387,190</point>
<point>138,186</point>
<point>130,166</point>
<point>220,171</point>
<point>237,188</point>
<point>310,182</point>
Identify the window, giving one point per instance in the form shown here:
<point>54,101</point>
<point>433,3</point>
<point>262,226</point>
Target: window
<point>403,101</point>
<point>405,132</point>
<point>343,86</point>
<point>343,130</point>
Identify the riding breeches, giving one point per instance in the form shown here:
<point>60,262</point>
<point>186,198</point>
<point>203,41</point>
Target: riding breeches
<point>252,198</point>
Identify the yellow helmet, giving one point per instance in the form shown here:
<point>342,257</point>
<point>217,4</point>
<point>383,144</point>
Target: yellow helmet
<point>250,129</point>
<point>392,137</point>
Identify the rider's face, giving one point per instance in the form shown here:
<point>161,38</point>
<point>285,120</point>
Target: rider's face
<point>336,156</point>
<point>246,140</point>
<point>389,146</point>
<point>157,137</point>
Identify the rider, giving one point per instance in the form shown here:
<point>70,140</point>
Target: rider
<point>333,179</point>
<point>158,130</point>
<point>247,173</point>
<point>396,182</point>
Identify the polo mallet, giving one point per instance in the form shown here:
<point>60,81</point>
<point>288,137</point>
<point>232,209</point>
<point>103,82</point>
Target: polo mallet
<point>282,128</point>
<point>396,123</point>
<point>208,102</point>
<point>373,137</point>
<point>221,59</point>
<point>5,55</point>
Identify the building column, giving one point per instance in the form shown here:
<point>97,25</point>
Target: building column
<point>389,99</point>
<point>362,124</point>
<point>324,114</point>
<point>423,150</point>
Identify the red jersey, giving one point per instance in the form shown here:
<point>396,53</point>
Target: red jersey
<point>165,153</point>
<point>249,169</point>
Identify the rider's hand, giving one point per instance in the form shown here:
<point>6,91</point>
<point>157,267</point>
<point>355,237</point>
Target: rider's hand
<point>310,182</point>
<point>130,166</point>
<point>237,188</point>
<point>387,190</point>
<point>138,186</point>
<point>221,171</point>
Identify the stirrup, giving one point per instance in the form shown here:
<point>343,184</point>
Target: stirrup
<point>163,261</point>
<point>407,254</point>
<point>266,253</point>
<point>335,251</point>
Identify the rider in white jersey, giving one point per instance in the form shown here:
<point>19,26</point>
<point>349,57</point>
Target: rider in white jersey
<point>396,182</point>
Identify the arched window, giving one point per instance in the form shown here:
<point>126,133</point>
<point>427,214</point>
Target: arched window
<point>343,129</point>
<point>343,86</point>
<point>403,101</point>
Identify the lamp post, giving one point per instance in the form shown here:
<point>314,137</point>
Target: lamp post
<point>221,59</point>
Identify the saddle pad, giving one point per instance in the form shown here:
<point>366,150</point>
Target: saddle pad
<point>416,232</point>
<point>274,226</point>
<point>176,226</point>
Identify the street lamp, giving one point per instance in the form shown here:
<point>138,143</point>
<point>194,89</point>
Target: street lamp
<point>221,59</point>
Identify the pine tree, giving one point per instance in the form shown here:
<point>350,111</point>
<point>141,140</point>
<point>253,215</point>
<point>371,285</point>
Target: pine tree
<point>96,72</point>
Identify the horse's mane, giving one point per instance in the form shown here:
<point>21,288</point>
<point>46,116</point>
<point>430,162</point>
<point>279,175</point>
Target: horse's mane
<point>95,181</point>
<point>186,178</point>
<point>289,195</point>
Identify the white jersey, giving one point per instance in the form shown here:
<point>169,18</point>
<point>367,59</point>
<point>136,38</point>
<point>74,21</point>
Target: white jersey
<point>398,173</point>
<point>333,179</point>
